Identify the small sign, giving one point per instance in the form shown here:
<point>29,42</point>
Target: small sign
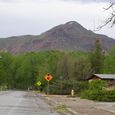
<point>39,83</point>
<point>48,77</point>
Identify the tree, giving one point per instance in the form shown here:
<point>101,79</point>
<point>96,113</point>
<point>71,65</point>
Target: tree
<point>15,66</point>
<point>97,58</point>
<point>111,18</point>
<point>82,69</point>
<point>109,63</point>
<point>5,69</point>
<point>63,67</point>
<point>26,71</point>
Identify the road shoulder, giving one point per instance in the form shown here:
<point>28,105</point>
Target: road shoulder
<point>78,106</point>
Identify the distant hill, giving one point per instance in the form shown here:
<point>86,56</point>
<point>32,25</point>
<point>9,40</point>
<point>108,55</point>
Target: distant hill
<point>70,36</point>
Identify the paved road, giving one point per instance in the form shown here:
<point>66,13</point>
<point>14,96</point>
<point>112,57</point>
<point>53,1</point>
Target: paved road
<point>22,103</point>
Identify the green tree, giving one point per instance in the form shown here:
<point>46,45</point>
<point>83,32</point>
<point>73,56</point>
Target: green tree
<point>82,69</point>
<point>26,73</point>
<point>5,68</point>
<point>97,58</point>
<point>109,63</point>
<point>63,67</point>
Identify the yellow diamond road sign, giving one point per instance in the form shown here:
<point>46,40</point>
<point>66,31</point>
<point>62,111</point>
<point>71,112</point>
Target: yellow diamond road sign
<point>39,83</point>
<point>48,77</point>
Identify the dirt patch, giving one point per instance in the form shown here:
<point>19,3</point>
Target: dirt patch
<point>83,106</point>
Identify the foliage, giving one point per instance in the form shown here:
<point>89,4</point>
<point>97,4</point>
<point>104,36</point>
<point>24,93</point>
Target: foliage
<point>69,69</point>
<point>97,58</point>
<point>82,69</point>
<point>97,85</point>
<point>64,87</point>
<point>5,68</point>
<point>109,63</point>
<point>97,92</point>
<point>74,66</point>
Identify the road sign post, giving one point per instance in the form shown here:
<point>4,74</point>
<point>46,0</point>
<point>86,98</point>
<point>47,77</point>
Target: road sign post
<point>48,90</point>
<point>39,84</point>
<point>48,77</point>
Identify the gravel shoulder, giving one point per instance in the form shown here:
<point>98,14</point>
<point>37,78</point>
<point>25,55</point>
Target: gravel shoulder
<point>83,106</point>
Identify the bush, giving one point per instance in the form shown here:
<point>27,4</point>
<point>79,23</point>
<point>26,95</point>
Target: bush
<point>65,87</point>
<point>96,92</point>
<point>108,96</point>
<point>80,86</point>
<point>60,87</point>
<point>93,95</point>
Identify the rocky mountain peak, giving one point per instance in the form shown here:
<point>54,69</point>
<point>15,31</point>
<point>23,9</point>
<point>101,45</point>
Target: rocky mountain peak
<point>70,28</point>
<point>74,27</point>
<point>71,22</point>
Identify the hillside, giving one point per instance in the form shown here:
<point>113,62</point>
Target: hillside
<point>69,36</point>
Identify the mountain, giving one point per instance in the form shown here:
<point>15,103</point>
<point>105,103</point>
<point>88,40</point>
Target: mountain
<point>70,36</point>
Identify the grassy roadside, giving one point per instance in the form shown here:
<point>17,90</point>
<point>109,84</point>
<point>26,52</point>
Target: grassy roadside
<point>57,107</point>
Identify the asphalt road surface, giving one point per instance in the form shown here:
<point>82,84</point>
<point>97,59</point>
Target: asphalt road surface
<point>23,103</point>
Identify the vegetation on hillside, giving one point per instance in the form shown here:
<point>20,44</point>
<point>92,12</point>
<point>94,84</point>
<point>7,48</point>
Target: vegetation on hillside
<point>69,70</point>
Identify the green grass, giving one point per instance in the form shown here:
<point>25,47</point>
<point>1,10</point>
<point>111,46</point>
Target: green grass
<point>60,108</point>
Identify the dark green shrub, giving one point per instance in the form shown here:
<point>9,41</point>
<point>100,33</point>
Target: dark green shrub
<point>60,87</point>
<point>65,87</point>
<point>80,86</point>
<point>108,96</point>
<point>96,92</point>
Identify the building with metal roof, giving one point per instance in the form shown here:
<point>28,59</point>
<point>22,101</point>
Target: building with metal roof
<point>102,76</point>
<point>107,77</point>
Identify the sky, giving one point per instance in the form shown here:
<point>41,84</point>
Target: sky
<point>32,17</point>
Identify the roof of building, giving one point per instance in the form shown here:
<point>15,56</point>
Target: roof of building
<point>104,76</point>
